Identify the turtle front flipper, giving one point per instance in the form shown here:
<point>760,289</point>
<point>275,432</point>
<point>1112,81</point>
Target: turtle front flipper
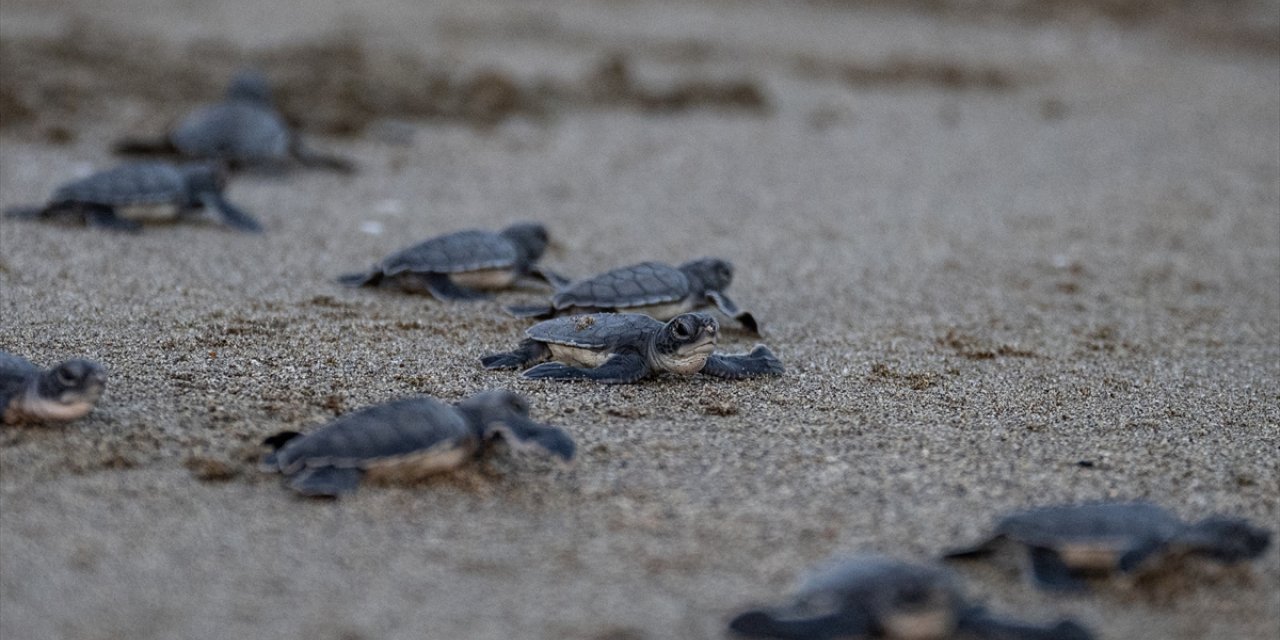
<point>526,435</point>
<point>326,482</point>
<point>548,276</point>
<point>979,623</point>
<point>443,288</point>
<point>538,311</point>
<point>760,362</point>
<point>529,352</point>
<point>727,307</point>
<point>230,213</point>
<point>1051,573</point>
<point>763,624</point>
<point>622,368</point>
<point>1136,555</point>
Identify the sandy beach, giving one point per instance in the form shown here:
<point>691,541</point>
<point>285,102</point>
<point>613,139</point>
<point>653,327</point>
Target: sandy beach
<point>1008,259</point>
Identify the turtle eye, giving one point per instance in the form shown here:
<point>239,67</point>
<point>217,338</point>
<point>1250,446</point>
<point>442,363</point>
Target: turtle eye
<point>66,377</point>
<point>681,330</point>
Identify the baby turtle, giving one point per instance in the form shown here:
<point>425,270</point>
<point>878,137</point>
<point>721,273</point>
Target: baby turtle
<point>407,440</point>
<point>879,597</point>
<point>651,288</point>
<point>123,197</point>
<point>1067,542</point>
<point>457,265</point>
<point>243,130</point>
<point>61,394</point>
<point>619,348</point>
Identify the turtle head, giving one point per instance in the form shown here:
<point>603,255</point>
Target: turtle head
<point>708,274</point>
<point>503,414</point>
<point>530,238</point>
<point>69,390</point>
<point>1225,539</point>
<point>684,343</point>
<point>250,85</point>
<point>494,406</point>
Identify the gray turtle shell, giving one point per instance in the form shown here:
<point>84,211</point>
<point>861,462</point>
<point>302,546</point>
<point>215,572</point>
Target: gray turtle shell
<point>458,252</point>
<point>869,589</point>
<point>134,183</point>
<point>364,437</point>
<point>1115,523</point>
<point>599,331</point>
<point>859,579</point>
<point>233,130</point>
<point>633,286</point>
<point>16,373</point>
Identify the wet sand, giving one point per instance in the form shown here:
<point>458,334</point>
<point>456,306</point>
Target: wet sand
<point>1007,262</point>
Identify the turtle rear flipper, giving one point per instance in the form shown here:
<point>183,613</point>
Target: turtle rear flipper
<point>326,482</point>
<point>1050,572</point>
<point>443,288</point>
<point>727,307</point>
<point>529,352</point>
<point>977,622</point>
<point>25,213</point>
<point>760,362</point>
<point>538,311</point>
<point>363,279</point>
<point>230,213</point>
<point>763,624</point>
<point>144,147</point>
<point>270,462</point>
<point>622,368</point>
<point>980,550</point>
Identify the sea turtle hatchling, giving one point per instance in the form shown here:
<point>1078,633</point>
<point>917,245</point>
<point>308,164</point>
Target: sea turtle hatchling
<point>124,197</point>
<point>60,394</point>
<point>651,288</point>
<point>406,440</point>
<point>619,348</point>
<point>244,129</point>
<point>457,266</point>
<point>1068,542</point>
<point>874,596</point>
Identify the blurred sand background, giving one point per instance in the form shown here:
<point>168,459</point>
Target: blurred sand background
<point>1012,252</point>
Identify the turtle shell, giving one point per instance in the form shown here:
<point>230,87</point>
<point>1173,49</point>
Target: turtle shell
<point>861,576</point>
<point>135,183</point>
<point>376,434</point>
<point>1111,524</point>
<point>599,331</point>
<point>638,285</point>
<point>16,373</point>
<point>237,130</point>
<point>876,586</point>
<point>458,252</point>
